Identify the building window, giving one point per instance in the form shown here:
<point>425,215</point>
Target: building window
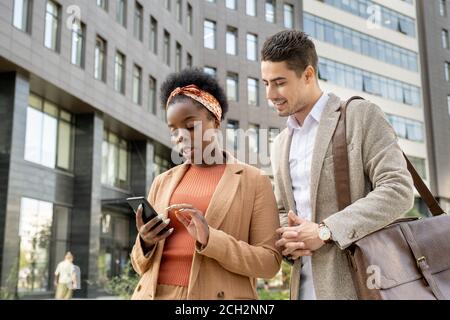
<point>189,62</point>
<point>209,40</point>
<point>231,38</point>
<point>22,15</point>
<point>443,8</point>
<point>253,138</point>
<point>273,133</point>
<point>49,135</point>
<point>35,232</point>
<point>190,19</point>
<point>288,10</point>
<point>121,12</point>
<point>178,57</point>
<point>419,165</point>
<point>231,4</point>
<point>167,4</point>
<point>341,36</point>
<point>179,11</point>
<point>232,135</point>
<point>270,11</point>
<point>250,8</point>
<point>137,84</point>
<point>102,4</point>
<point>389,18</point>
<point>252,92</point>
<point>444,38</point>
<point>448,103</point>
<point>78,43</point>
<point>406,128</point>
<point>160,165</point>
<point>210,70</point>
<point>138,21</point>
<point>115,161</point>
<point>100,59</point>
<point>447,71</point>
<point>252,47</point>
<point>166,49</point>
<point>152,87</point>
<point>52,25</point>
<point>232,86</point>
<point>153,35</point>
<point>119,73</point>
<point>361,80</point>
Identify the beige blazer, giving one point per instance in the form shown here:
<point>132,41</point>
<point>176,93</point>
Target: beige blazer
<point>381,190</point>
<point>243,219</point>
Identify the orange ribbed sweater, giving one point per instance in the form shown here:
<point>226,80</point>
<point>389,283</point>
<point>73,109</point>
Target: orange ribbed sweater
<point>195,188</point>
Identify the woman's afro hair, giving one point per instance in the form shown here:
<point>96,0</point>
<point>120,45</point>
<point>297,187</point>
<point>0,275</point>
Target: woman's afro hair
<point>198,77</point>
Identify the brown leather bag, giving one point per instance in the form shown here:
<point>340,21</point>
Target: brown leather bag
<point>410,258</point>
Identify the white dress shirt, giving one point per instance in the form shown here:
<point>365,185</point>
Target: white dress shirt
<point>300,159</point>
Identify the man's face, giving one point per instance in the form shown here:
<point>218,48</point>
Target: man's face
<point>284,88</point>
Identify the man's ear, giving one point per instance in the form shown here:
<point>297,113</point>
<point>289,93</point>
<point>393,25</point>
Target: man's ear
<point>310,73</point>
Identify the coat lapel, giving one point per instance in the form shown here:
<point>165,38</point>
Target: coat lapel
<point>327,126</point>
<point>174,177</point>
<point>219,206</point>
<point>285,173</point>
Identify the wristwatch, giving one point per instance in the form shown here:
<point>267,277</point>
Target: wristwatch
<point>324,233</point>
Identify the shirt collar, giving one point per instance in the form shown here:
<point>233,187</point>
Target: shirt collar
<point>315,114</point>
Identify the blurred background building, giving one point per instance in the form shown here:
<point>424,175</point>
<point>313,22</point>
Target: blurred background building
<point>82,128</point>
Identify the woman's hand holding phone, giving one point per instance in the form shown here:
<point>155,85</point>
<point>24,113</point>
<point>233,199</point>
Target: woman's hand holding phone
<point>148,232</point>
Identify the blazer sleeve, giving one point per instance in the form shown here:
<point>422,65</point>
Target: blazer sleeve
<point>140,261</point>
<point>258,258</point>
<point>392,185</point>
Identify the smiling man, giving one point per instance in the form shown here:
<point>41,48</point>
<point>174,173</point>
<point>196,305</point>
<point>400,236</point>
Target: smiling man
<point>314,231</point>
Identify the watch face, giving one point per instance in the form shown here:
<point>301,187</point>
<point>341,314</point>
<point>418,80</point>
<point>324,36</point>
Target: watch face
<point>324,233</point>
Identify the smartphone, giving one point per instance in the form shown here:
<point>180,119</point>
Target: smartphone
<point>148,213</point>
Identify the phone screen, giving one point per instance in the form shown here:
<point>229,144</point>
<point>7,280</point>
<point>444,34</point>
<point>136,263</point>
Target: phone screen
<point>148,211</point>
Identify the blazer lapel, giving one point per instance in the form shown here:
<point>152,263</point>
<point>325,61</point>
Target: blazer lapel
<point>219,206</point>
<point>174,177</point>
<point>327,126</point>
<point>285,173</point>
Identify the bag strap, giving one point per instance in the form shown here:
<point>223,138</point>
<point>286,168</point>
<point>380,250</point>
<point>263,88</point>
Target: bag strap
<point>342,172</point>
<point>421,261</point>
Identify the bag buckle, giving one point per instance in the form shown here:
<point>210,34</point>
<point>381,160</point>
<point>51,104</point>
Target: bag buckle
<point>419,260</point>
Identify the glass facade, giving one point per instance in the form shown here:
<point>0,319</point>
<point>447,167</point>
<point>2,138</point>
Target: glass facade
<point>360,80</point>
<point>49,134</point>
<point>366,9</point>
<point>43,233</point>
<point>358,42</point>
<point>407,128</point>
<point>115,161</point>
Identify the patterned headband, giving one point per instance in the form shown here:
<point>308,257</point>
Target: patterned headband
<point>205,98</point>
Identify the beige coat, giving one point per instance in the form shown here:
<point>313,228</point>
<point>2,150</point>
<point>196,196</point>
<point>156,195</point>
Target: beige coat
<point>243,219</point>
<point>381,190</point>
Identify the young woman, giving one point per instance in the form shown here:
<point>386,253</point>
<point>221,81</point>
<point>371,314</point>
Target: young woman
<point>221,213</point>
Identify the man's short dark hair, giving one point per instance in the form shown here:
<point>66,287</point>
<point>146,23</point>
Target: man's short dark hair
<point>292,46</point>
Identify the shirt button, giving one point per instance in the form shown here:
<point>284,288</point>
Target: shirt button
<point>139,288</point>
<point>220,294</point>
<point>352,234</point>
